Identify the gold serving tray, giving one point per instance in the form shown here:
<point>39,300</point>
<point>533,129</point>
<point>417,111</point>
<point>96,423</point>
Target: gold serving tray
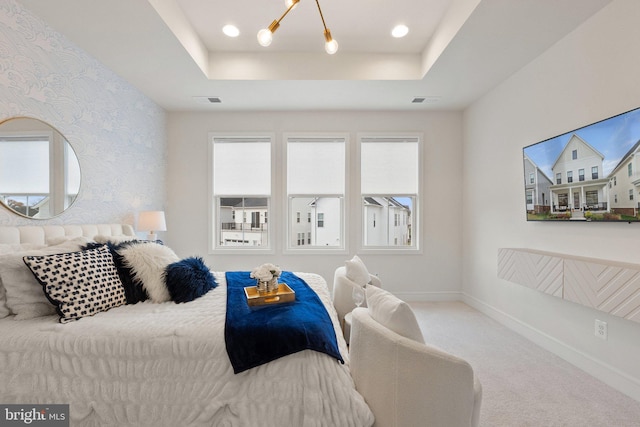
<point>284,294</point>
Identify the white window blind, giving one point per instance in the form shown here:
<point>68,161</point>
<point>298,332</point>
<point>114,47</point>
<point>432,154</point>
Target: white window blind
<point>315,166</point>
<point>241,166</point>
<point>389,166</point>
<point>24,165</point>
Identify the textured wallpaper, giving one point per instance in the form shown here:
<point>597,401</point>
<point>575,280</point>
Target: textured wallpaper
<point>117,133</point>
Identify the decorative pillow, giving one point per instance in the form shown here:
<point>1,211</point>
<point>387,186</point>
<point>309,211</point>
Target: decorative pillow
<point>8,248</point>
<point>392,312</point>
<point>4,311</point>
<point>81,284</point>
<point>188,279</point>
<point>24,294</point>
<point>357,271</point>
<point>58,240</point>
<point>113,239</point>
<point>133,290</point>
<point>147,262</point>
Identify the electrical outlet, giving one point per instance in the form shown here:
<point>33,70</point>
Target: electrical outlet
<point>601,329</point>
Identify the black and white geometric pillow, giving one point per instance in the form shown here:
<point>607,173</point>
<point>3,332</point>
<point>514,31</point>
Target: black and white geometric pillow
<point>80,284</point>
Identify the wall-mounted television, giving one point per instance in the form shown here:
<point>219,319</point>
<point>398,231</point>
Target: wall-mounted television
<point>588,174</point>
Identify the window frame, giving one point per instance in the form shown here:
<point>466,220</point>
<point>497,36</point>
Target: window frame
<point>214,199</point>
<point>307,248</point>
<point>417,198</point>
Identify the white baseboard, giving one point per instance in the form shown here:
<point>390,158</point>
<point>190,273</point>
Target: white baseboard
<point>604,372</point>
<point>429,296</point>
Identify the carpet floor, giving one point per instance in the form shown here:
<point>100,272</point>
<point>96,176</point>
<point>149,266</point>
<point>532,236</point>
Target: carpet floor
<point>523,384</point>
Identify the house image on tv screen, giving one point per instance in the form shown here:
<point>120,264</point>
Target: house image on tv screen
<point>592,173</point>
<point>578,182</point>
<point>537,187</point>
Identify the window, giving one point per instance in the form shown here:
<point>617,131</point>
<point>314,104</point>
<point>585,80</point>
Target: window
<point>529,197</point>
<point>580,174</point>
<point>320,220</point>
<point>298,217</point>
<point>592,198</point>
<point>630,169</point>
<point>389,182</point>
<point>615,198</point>
<point>615,181</point>
<point>316,181</point>
<point>574,154</point>
<point>594,172</point>
<point>563,200</point>
<point>240,200</point>
<point>558,178</point>
<point>531,179</point>
<point>631,194</point>
<point>569,176</point>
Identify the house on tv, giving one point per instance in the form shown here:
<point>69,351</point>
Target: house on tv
<point>624,182</point>
<point>579,184</point>
<point>537,185</point>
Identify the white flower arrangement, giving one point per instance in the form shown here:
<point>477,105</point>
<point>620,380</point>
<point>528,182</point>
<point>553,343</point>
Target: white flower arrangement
<point>265,272</point>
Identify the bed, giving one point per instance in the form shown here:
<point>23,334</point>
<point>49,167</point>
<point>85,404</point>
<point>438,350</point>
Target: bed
<point>166,364</point>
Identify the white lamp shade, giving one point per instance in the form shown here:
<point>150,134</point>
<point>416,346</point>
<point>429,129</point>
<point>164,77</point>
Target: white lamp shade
<point>152,221</point>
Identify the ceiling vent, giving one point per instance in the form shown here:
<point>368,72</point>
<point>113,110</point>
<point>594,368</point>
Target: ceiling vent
<point>208,99</point>
<point>425,99</point>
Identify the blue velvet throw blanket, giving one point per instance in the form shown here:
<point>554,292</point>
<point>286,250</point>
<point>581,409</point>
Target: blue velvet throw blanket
<point>255,336</point>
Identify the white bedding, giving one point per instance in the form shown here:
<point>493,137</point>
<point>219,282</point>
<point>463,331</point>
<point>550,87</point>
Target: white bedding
<point>167,365</point>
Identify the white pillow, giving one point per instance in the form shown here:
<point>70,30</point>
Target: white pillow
<point>113,239</point>
<point>8,248</point>
<point>356,271</point>
<point>148,262</point>
<point>393,313</point>
<point>59,240</point>
<point>25,296</point>
<point>4,311</point>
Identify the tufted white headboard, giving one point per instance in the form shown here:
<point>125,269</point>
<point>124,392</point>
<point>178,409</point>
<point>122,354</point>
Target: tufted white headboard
<point>40,234</point>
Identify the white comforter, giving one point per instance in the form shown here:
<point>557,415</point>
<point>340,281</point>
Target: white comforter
<point>167,365</point>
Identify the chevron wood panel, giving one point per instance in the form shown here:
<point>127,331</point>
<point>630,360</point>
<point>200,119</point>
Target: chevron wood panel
<point>608,287</point>
<point>536,270</point>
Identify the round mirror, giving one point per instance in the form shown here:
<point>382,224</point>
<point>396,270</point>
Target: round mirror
<point>39,171</point>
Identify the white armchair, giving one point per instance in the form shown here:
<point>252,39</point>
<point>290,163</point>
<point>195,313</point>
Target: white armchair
<point>407,383</point>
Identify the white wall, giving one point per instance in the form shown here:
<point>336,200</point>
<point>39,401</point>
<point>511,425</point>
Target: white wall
<point>117,133</point>
<point>433,274</point>
<point>590,75</point>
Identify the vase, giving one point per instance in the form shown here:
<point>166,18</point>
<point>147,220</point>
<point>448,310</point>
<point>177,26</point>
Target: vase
<point>272,286</point>
<point>267,287</point>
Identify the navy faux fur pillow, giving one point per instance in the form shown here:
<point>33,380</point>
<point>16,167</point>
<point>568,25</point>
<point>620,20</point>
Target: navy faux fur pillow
<point>188,279</point>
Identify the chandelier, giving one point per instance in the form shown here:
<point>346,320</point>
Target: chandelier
<point>265,36</point>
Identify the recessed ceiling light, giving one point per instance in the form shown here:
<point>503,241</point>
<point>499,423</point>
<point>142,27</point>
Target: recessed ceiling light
<point>426,99</point>
<point>231,30</point>
<point>400,31</point>
<point>208,99</point>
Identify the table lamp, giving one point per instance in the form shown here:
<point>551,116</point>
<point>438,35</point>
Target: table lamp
<point>152,221</point>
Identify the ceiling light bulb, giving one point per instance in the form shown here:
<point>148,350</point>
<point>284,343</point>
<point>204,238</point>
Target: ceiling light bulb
<point>265,37</point>
<point>400,31</point>
<point>331,47</point>
<point>290,3</point>
<point>231,30</point>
